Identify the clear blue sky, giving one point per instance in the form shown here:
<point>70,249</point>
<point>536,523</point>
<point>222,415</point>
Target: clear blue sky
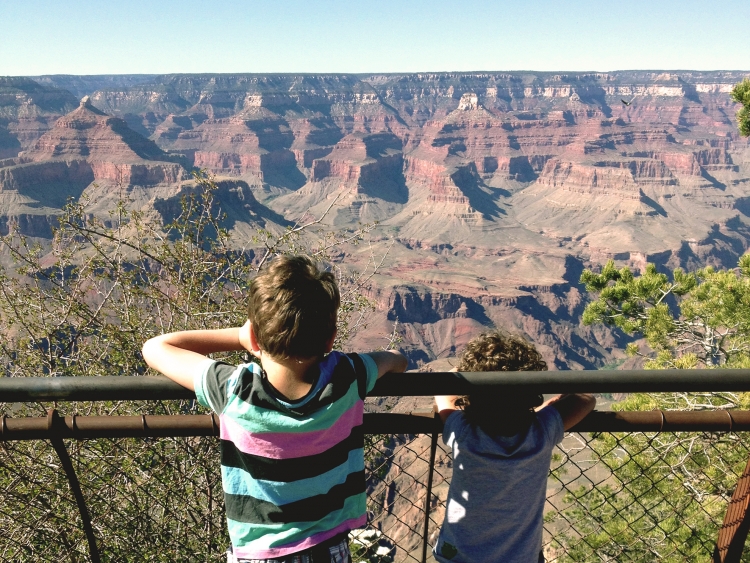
<point>164,36</point>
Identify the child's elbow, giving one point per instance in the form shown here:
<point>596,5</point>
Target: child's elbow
<point>400,361</point>
<point>150,351</point>
<point>589,402</point>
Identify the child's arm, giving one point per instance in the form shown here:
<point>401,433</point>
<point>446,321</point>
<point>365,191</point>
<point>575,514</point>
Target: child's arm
<point>572,407</point>
<point>389,361</point>
<point>179,355</point>
<point>446,405</point>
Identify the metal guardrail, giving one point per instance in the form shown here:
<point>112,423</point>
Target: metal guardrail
<point>146,388</point>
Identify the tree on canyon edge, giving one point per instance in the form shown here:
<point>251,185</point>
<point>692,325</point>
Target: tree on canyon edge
<point>741,95</point>
<point>699,318</point>
<point>668,492</point>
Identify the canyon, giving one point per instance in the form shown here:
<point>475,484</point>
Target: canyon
<point>491,191</point>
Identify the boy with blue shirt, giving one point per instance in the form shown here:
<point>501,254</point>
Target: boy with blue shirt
<point>292,457</point>
<point>501,444</point>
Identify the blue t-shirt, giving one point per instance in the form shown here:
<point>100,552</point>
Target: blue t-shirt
<point>496,498</point>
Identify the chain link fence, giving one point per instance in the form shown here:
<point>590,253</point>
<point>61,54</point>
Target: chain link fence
<point>611,497</point>
<point>155,501</point>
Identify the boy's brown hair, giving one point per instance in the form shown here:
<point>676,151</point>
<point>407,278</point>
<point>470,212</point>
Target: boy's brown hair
<point>500,412</point>
<point>293,306</point>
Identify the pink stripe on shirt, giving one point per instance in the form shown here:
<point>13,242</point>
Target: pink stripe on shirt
<point>285,445</point>
<point>320,537</point>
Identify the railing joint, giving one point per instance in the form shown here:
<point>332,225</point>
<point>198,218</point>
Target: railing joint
<point>51,419</point>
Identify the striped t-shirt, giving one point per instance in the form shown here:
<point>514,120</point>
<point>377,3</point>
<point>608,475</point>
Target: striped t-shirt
<point>293,473</point>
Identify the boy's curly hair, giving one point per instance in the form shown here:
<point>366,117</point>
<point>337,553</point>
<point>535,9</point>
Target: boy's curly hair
<point>293,306</point>
<point>500,412</point>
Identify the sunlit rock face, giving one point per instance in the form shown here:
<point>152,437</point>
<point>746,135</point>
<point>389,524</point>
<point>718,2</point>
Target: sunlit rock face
<point>85,150</point>
<point>491,190</point>
<point>27,110</point>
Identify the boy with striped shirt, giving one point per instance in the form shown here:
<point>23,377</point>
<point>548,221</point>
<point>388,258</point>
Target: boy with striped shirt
<point>292,457</point>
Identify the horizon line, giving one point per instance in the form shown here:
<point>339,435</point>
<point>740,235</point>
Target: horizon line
<point>308,73</point>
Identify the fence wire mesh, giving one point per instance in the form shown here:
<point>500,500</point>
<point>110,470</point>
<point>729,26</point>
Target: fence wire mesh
<point>611,497</point>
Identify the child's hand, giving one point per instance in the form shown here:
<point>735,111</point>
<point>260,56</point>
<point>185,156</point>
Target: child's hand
<point>551,401</point>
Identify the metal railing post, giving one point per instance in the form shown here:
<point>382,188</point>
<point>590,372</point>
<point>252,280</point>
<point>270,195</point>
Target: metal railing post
<point>75,486</point>
<point>428,496</point>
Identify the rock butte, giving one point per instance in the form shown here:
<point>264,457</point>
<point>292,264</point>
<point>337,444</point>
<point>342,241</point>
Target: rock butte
<point>493,190</point>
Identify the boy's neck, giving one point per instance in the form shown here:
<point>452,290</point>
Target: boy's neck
<point>291,377</point>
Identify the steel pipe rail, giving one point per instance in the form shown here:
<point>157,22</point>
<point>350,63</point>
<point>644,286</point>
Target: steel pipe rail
<point>155,426</point>
<point>105,388</point>
<point>569,381</point>
<point>138,388</point>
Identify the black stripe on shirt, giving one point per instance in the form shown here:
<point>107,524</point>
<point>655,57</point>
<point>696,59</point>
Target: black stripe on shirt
<point>251,510</point>
<point>291,469</point>
<point>361,374</point>
<point>216,383</point>
<point>341,381</point>
<point>257,390</point>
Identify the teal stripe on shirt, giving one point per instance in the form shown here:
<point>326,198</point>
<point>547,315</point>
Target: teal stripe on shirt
<point>237,481</point>
<point>372,371</point>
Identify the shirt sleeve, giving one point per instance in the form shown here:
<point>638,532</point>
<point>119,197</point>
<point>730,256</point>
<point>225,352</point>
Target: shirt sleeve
<point>214,384</point>
<point>552,423</point>
<point>372,371</point>
<point>452,427</point>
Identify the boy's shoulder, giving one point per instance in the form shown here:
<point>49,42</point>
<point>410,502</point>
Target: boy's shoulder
<point>455,426</point>
<point>551,423</point>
